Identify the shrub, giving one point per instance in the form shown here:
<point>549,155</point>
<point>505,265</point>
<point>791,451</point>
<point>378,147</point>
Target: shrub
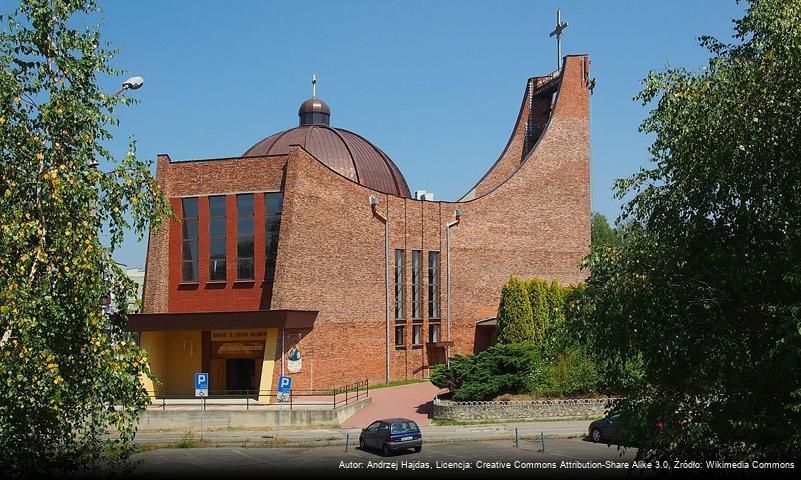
<point>503,368</point>
<point>573,373</point>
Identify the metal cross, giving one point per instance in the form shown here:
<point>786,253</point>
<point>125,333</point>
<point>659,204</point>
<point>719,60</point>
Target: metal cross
<point>560,26</point>
<point>314,85</point>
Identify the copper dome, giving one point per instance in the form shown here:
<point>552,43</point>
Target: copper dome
<point>343,151</point>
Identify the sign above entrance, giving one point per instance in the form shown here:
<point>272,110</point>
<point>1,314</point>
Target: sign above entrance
<point>238,335</point>
<point>237,349</point>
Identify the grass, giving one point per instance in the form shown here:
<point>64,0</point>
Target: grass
<point>443,422</point>
<point>395,383</point>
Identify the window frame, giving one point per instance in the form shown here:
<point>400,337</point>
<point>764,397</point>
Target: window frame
<point>431,329</point>
<point>417,285</point>
<point>185,239</point>
<point>399,309</point>
<point>417,329</point>
<point>400,341</point>
<point>240,259</point>
<point>218,238</point>
<point>434,285</point>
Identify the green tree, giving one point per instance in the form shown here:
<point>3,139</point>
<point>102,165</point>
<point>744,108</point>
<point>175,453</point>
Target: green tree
<point>539,296</point>
<point>514,314</point>
<point>601,234</point>
<point>64,365</point>
<point>705,287</point>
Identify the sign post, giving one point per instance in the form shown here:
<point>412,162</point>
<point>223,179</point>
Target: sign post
<point>284,391</point>
<point>202,391</point>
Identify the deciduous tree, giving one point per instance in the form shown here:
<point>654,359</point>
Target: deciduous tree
<point>705,286</point>
<point>69,372</point>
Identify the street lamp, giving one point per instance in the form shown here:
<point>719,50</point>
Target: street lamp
<point>133,83</point>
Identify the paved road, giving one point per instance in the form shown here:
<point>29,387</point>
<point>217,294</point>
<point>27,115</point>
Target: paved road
<point>566,428</point>
<point>409,401</point>
<point>438,460</point>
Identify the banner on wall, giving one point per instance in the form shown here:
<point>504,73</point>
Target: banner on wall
<point>294,359</point>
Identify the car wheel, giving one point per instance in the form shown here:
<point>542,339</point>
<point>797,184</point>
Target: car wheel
<point>385,449</point>
<point>362,444</point>
<point>418,449</point>
<point>595,435</point>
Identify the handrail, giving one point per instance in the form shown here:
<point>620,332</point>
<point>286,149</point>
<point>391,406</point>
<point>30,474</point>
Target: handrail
<point>335,397</point>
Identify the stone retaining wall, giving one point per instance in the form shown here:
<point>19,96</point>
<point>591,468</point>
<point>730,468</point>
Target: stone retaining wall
<point>535,409</point>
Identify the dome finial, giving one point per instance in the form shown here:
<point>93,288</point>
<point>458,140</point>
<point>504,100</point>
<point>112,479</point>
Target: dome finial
<point>314,85</point>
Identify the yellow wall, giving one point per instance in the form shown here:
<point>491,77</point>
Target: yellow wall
<point>174,358</point>
<point>153,344</point>
<point>268,364</point>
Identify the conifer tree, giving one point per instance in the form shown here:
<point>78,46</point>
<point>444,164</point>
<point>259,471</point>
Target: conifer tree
<point>515,323</point>
<point>538,295</point>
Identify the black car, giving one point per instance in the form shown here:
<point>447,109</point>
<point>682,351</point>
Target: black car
<point>606,429</point>
<point>391,435</point>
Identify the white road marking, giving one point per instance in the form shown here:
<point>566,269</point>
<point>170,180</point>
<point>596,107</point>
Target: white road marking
<point>254,458</point>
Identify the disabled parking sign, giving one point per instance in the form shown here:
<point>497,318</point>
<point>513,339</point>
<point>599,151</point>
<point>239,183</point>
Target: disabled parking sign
<point>201,384</point>
<point>284,388</point>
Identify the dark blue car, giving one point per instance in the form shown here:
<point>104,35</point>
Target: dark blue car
<point>392,435</point>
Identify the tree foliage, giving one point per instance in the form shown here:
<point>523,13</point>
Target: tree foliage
<point>515,322</point>
<point>64,365</point>
<point>704,289</point>
<point>601,234</point>
<point>539,296</point>
<point>502,368</point>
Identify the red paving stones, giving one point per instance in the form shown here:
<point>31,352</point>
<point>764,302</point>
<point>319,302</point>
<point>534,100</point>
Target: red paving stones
<point>408,401</point>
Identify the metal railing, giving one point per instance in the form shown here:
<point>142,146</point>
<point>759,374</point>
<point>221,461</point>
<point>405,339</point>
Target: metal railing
<point>336,397</point>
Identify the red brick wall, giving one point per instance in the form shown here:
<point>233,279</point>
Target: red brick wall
<point>534,223</point>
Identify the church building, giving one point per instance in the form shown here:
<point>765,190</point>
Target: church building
<point>308,256</point>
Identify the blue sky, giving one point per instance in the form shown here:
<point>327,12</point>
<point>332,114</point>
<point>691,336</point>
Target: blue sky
<point>435,84</point>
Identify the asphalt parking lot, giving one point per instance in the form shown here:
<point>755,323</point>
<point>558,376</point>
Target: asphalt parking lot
<point>436,459</point>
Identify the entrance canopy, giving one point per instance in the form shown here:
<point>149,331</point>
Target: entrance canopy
<point>159,322</point>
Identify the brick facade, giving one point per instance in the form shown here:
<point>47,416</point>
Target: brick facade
<point>528,217</point>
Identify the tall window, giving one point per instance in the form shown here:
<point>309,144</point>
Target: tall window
<point>244,236</point>
<point>273,202</point>
<point>400,334</point>
<point>417,284</point>
<point>189,237</point>
<point>217,237</point>
<point>400,279</point>
<point>433,285</point>
<point>417,334</point>
<point>433,332</point>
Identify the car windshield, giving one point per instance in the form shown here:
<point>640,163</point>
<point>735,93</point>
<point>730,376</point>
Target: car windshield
<point>403,427</point>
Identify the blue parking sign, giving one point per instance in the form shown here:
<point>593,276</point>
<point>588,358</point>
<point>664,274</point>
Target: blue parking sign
<point>201,384</point>
<point>284,387</point>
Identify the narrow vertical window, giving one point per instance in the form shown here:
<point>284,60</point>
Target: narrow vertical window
<point>433,332</point>
<point>400,335</point>
<point>217,238</point>
<point>417,284</point>
<point>417,334</point>
<point>400,279</point>
<point>244,236</point>
<point>189,239</point>
<point>433,285</point>
<point>273,203</point>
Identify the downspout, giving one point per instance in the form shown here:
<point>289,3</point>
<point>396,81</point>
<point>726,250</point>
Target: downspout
<point>448,226</point>
<point>374,201</point>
